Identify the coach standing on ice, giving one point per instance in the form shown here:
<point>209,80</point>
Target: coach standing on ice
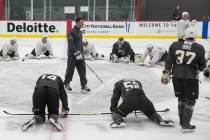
<point>76,57</point>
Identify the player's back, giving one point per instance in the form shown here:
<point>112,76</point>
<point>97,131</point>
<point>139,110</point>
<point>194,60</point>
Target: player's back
<point>48,80</point>
<point>127,85</point>
<point>188,58</point>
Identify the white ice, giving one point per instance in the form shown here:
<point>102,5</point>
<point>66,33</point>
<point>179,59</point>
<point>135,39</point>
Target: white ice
<point>17,81</point>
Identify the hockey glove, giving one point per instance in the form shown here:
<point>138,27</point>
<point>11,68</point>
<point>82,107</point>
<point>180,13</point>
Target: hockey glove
<point>78,55</point>
<point>206,72</point>
<point>166,77</point>
<point>51,56</point>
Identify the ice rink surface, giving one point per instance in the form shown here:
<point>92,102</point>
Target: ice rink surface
<point>17,81</point>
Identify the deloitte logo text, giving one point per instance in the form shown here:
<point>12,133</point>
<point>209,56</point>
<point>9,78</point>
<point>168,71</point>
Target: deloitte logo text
<point>34,27</point>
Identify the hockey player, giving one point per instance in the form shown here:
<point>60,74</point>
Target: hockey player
<point>43,47</point>
<point>184,24</point>
<point>90,51</point>
<point>9,50</point>
<point>156,55</point>
<point>49,88</point>
<point>184,61</point>
<point>122,51</point>
<point>133,99</point>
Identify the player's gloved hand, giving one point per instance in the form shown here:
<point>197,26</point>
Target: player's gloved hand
<point>151,62</point>
<point>206,72</point>
<point>7,58</point>
<point>64,113</point>
<point>50,56</point>
<point>16,57</point>
<point>78,55</point>
<point>166,77</point>
<point>38,57</point>
<point>114,58</point>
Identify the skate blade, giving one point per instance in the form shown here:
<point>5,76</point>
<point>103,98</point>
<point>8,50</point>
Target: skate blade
<point>187,130</point>
<point>114,125</point>
<point>57,126</point>
<point>168,124</point>
<point>27,125</point>
<point>85,92</point>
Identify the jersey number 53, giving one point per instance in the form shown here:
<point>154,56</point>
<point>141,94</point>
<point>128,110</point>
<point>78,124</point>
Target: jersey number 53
<point>130,85</point>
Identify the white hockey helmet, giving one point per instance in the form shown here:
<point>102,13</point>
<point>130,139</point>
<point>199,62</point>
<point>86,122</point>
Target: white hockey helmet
<point>45,36</point>
<point>85,40</point>
<point>150,45</point>
<point>14,39</point>
<point>185,14</point>
<point>190,33</point>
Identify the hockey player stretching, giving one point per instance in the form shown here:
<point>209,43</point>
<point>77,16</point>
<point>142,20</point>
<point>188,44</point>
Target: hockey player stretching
<point>134,99</point>
<point>156,55</point>
<point>43,47</point>
<point>184,60</point>
<point>49,88</point>
<point>9,50</point>
<point>90,52</point>
<point>122,51</point>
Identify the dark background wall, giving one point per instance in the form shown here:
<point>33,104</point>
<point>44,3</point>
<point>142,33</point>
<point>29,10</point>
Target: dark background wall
<point>163,9</point>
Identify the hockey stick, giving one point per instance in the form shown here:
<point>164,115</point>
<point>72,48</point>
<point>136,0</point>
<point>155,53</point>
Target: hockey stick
<point>207,97</point>
<point>84,114</point>
<point>95,73</point>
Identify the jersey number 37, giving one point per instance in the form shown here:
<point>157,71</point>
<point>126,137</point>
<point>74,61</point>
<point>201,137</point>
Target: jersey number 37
<point>185,57</point>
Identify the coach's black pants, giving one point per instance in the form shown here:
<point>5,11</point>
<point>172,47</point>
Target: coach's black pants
<point>45,96</point>
<point>81,68</point>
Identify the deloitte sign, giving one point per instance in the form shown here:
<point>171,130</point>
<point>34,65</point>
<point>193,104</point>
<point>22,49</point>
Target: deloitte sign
<point>34,27</point>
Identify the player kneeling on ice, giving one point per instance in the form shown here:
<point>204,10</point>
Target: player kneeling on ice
<point>185,59</point>
<point>9,50</point>
<point>43,47</point>
<point>206,71</point>
<point>156,55</point>
<point>122,52</point>
<point>90,52</point>
<point>134,99</point>
<point>49,88</point>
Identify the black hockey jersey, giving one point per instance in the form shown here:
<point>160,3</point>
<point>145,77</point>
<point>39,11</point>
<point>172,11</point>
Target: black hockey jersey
<point>125,47</point>
<point>54,81</point>
<point>186,59</point>
<point>125,88</point>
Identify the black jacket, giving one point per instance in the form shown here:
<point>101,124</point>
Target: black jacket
<point>74,41</point>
